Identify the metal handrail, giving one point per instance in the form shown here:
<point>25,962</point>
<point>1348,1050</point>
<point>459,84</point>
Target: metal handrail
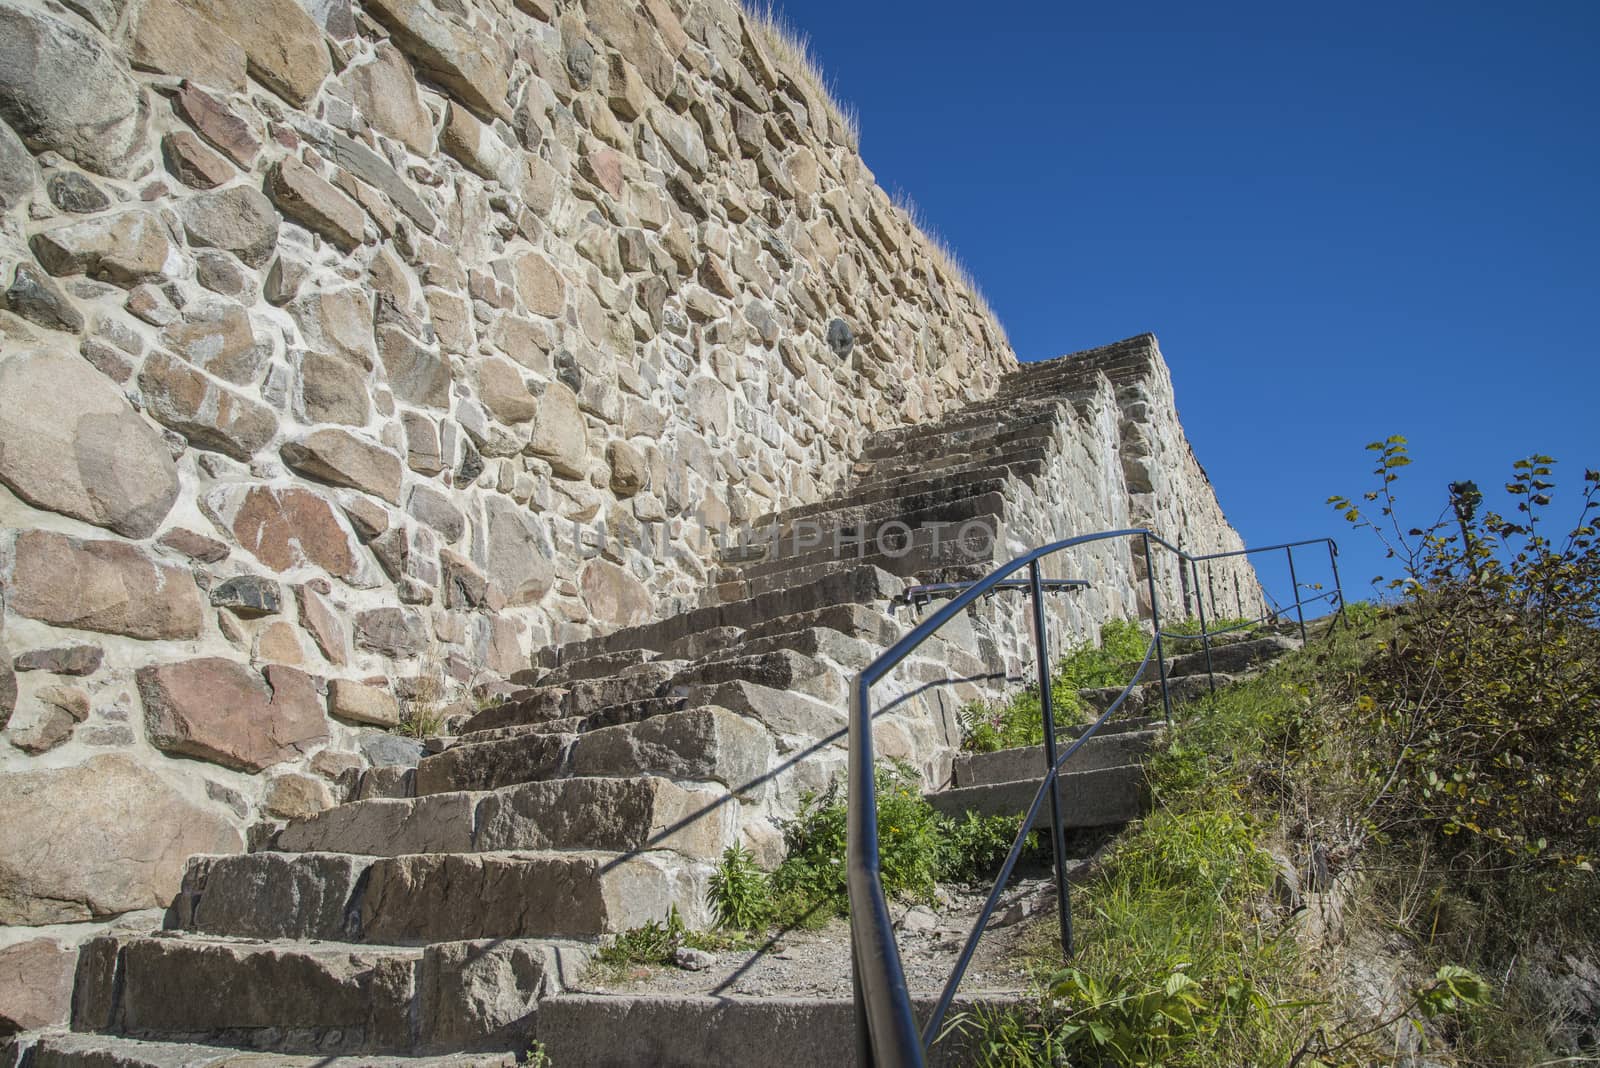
<point>886,1031</point>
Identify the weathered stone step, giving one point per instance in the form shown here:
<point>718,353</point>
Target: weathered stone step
<point>1145,698</point>
<point>1011,765</point>
<point>583,697</point>
<point>111,1051</point>
<point>919,562</point>
<point>977,428</point>
<point>1100,798</point>
<point>595,667</point>
<point>1032,443</point>
<point>297,997</point>
<point>1234,658</point>
<point>588,813</point>
<point>896,535</point>
<point>858,585</point>
<point>642,1031</point>
<point>706,744</point>
<point>419,899</point>
<point>914,491</point>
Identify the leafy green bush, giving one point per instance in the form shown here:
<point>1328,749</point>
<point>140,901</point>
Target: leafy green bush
<point>1483,712</point>
<point>740,891</point>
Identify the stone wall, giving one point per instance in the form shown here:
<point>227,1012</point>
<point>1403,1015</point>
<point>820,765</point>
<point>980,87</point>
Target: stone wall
<point>348,344</point>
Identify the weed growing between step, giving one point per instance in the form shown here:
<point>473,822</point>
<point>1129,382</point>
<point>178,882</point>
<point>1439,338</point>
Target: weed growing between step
<point>1187,950</point>
<point>1019,721</point>
<point>918,849</point>
<point>656,943</point>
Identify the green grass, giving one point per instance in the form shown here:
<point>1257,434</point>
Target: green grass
<point>1182,958</point>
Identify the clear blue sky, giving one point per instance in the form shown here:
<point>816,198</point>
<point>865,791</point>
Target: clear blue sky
<point>1342,222</point>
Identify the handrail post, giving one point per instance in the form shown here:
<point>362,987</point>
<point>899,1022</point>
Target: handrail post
<point>1299,607</point>
<point>1205,634</point>
<point>1155,618</point>
<point>1058,837</point>
<point>1333,561</point>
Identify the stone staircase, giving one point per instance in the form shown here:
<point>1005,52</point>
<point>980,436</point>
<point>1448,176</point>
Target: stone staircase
<point>441,912</point>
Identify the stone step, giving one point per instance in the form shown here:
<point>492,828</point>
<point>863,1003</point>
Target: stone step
<point>72,1050</point>
<point>644,1031</point>
<point>872,540</point>
<point>1145,698</point>
<point>858,585</point>
<point>300,997</point>
<point>1011,765</point>
<point>1100,798</point>
<point>977,429</point>
<point>1000,450</point>
<point>639,682</point>
<point>422,898</point>
<point>705,744</point>
<point>1234,658</point>
<point>914,491</point>
<point>921,562</point>
<point>595,667</point>
<point>589,813</point>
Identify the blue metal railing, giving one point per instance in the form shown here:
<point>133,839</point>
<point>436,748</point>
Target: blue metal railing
<point>886,1031</point>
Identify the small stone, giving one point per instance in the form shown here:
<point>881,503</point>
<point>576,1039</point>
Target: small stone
<point>540,285</point>
<point>284,528</point>
<point>210,416</point>
<point>125,249</point>
<point>192,163</point>
<point>221,274</point>
<point>386,92</point>
<point>423,454</point>
<point>332,390</point>
<point>693,960</point>
<point>322,623</point>
<point>72,192</point>
<point>309,200</point>
<point>278,643</point>
<point>390,750</point>
<point>429,506</point>
<point>613,596</point>
<point>34,297</point>
<point>342,459</point>
<point>218,337</point>
<point>503,391</point>
<point>238,220</point>
<point>629,471</point>
<point>559,434</point>
<point>393,632</point>
<point>196,547</point>
<point>416,373</point>
<point>358,703</point>
<point>215,122</point>
<point>841,339</point>
<point>293,796</point>
<point>337,322</point>
<point>64,660</point>
<point>248,596</point>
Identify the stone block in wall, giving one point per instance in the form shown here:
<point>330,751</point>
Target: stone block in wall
<point>304,196</point>
<point>61,89</point>
<point>396,633</point>
<point>515,553</point>
<point>340,458</point>
<point>332,390</point>
<point>18,172</point>
<point>359,703</point>
<point>284,45</point>
<point>218,337</point>
<point>57,817</point>
<point>239,220</point>
<point>106,586</point>
<point>224,712</point>
<point>417,374</point>
<point>192,163</point>
<point>218,124</point>
<point>126,248</point>
<point>207,413</point>
<point>447,52</point>
<point>322,623</point>
<point>284,527</point>
<point>176,39</point>
<point>559,433</point>
<point>73,445</point>
<point>386,92</point>
<point>337,322</point>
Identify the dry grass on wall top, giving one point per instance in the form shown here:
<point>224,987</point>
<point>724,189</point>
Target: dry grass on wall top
<point>791,48</point>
